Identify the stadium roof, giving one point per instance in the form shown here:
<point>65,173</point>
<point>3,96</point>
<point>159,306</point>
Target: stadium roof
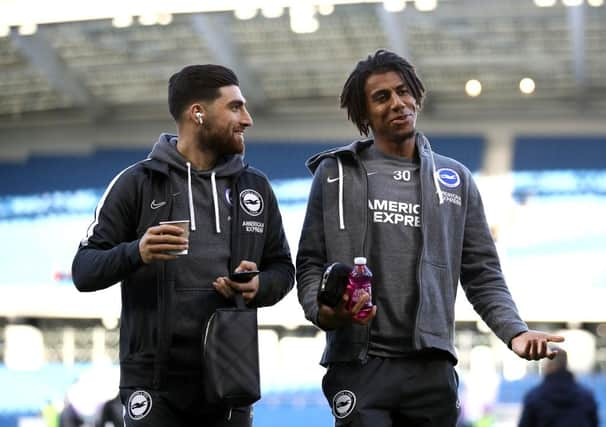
<point>93,68</point>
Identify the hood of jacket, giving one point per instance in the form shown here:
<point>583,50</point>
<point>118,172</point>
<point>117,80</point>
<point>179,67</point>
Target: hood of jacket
<point>422,143</point>
<point>165,152</point>
<point>352,150</point>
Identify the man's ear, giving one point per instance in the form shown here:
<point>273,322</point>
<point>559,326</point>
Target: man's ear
<point>197,113</point>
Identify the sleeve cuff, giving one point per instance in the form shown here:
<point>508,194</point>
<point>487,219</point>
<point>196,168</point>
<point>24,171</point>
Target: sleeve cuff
<point>262,292</point>
<point>515,334</point>
<point>134,256</point>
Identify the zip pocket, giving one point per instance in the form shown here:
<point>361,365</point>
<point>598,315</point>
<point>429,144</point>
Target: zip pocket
<point>208,326</point>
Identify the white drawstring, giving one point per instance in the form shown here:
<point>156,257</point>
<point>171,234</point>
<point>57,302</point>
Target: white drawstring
<point>341,220</point>
<point>213,181</point>
<point>192,215</point>
<point>437,184</point>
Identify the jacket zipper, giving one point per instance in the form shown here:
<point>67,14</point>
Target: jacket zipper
<point>421,249</point>
<point>163,294</point>
<point>364,353</point>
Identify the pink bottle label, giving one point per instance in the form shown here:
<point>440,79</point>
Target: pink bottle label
<point>356,291</point>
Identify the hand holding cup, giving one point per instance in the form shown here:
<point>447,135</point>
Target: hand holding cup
<point>165,242</point>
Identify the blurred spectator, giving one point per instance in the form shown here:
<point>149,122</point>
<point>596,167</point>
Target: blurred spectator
<point>559,400</point>
<point>487,420</point>
<point>111,414</point>
<point>69,416</point>
<point>50,415</point>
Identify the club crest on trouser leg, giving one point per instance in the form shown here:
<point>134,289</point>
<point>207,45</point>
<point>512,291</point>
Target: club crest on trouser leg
<point>343,403</point>
<point>139,405</point>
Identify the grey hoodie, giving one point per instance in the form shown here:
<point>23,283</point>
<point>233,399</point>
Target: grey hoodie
<point>201,197</point>
<point>165,150</point>
<point>456,245</point>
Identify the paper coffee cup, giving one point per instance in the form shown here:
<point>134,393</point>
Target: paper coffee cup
<point>184,225</point>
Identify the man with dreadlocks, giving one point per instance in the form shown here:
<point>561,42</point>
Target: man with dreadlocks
<point>418,218</point>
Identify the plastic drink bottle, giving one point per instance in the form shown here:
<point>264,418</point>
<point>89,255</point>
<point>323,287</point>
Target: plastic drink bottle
<point>359,284</point>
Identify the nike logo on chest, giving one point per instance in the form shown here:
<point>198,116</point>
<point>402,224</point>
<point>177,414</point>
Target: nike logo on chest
<point>156,205</point>
<point>331,180</point>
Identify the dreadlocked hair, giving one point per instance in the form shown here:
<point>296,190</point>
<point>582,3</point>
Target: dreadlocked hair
<point>353,96</point>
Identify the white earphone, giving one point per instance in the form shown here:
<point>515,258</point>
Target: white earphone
<point>199,116</point>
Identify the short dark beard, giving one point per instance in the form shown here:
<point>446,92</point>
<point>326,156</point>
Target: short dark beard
<point>216,143</point>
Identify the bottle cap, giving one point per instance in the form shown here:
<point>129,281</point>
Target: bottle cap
<point>360,260</point>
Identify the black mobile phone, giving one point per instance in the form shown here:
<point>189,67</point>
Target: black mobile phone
<point>243,276</point>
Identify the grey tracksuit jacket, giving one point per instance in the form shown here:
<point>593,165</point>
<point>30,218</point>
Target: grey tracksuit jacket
<point>456,246</point>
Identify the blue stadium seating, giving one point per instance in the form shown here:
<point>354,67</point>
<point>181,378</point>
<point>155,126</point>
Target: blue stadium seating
<point>43,173</point>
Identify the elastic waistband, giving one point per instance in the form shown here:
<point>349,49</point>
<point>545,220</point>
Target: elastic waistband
<point>427,354</point>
